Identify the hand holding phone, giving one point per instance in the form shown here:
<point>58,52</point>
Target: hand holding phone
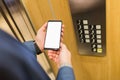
<point>53,35</point>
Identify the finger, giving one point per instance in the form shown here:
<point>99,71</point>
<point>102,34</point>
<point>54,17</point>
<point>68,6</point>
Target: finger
<point>63,26</point>
<point>50,57</point>
<point>62,34</point>
<point>62,30</point>
<point>58,53</point>
<point>60,46</point>
<point>53,57</point>
<point>50,51</point>
<point>55,60</point>
<point>61,39</point>
<point>44,27</point>
<point>52,54</point>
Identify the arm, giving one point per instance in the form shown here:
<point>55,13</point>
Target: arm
<point>37,45</point>
<point>31,45</point>
<point>65,66</point>
<point>65,73</point>
<point>63,61</point>
<point>17,62</point>
<point>61,57</point>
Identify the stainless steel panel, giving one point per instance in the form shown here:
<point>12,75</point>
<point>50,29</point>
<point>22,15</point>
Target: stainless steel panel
<point>90,15</point>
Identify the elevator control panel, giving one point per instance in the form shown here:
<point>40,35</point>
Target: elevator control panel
<point>89,24</point>
<point>90,37</point>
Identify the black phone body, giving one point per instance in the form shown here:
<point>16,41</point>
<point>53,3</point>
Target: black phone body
<point>53,35</point>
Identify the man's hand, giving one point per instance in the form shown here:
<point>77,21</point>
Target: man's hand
<point>63,56</point>
<point>40,37</point>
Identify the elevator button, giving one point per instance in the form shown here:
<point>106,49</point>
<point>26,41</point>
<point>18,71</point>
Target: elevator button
<point>85,21</point>
<point>98,26</point>
<point>99,50</point>
<point>98,31</point>
<point>87,36</point>
<point>86,31</point>
<point>99,46</point>
<point>99,41</point>
<point>85,26</point>
<point>98,36</point>
<point>87,40</point>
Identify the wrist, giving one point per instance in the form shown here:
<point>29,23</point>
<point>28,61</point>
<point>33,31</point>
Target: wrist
<point>65,65</point>
<point>37,41</point>
<point>38,50</point>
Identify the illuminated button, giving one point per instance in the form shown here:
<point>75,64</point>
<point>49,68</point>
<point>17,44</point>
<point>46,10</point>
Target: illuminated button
<point>87,40</point>
<point>99,41</point>
<point>93,46</point>
<point>85,26</point>
<point>98,31</point>
<point>86,31</point>
<point>87,36</point>
<point>98,26</point>
<point>94,49</point>
<point>85,21</point>
<point>99,50</point>
<point>99,46</point>
<point>98,36</point>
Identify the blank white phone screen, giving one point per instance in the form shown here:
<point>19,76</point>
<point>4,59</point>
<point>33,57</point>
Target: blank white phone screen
<point>53,34</point>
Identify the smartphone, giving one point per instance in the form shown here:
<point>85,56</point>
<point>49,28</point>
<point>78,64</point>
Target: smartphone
<point>53,35</point>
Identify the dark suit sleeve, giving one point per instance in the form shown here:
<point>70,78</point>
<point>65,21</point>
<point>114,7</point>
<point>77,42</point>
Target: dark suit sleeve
<point>31,45</point>
<point>17,62</point>
<point>65,73</point>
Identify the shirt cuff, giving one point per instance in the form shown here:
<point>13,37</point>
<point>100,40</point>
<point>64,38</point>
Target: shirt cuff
<point>65,64</point>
